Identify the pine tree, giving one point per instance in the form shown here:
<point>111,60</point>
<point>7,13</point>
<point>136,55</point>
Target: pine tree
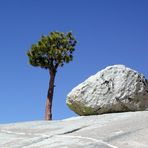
<point>50,52</point>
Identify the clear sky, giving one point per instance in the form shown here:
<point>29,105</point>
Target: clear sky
<point>108,32</point>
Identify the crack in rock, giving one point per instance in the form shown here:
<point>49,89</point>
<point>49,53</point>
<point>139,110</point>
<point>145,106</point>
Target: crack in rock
<point>42,137</point>
<point>88,138</point>
<point>62,134</point>
<point>74,130</point>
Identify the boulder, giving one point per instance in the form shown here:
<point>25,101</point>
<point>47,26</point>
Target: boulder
<point>114,89</point>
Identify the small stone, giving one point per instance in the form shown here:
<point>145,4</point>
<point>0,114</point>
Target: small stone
<point>115,89</point>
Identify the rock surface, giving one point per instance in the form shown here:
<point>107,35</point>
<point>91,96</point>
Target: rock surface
<point>116,130</point>
<point>114,89</point>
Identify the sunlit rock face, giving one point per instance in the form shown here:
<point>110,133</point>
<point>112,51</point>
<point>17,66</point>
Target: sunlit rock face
<point>116,88</point>
<point>116,130</point>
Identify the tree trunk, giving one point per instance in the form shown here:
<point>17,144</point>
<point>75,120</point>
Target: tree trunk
<point>48,108</point>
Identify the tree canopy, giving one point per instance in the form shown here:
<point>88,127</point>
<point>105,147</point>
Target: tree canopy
<point>53,50</point>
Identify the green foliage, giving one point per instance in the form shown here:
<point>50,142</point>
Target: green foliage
<point>52,51</point>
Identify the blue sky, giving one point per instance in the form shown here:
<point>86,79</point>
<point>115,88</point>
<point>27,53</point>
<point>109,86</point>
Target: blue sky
<point>108,32</point>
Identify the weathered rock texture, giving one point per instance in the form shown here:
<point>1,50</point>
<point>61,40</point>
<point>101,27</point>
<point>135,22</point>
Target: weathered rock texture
<point>117,130</point>
<point>114,89</point>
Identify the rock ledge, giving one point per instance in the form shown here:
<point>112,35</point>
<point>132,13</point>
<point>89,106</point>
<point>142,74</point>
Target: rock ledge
<point>117,130</point>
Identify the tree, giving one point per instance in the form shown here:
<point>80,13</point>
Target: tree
<point>51,52</point>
